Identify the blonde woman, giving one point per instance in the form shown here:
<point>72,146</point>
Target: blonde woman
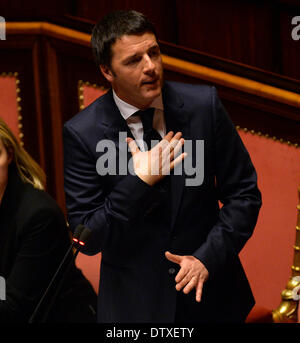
<point>33,240</point>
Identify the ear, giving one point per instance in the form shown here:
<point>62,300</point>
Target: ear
<point>107,73</point>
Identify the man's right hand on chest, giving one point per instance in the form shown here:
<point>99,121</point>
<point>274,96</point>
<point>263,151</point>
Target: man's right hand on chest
<point>151,166</point>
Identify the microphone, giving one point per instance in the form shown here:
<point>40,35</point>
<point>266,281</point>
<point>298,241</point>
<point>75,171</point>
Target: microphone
<point>81,234</point>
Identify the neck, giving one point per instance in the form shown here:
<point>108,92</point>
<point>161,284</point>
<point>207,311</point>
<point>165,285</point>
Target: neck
<point>133,102</point>
<point>156,103</point>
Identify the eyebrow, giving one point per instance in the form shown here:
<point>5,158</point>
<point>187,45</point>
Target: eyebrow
<point>131,57</point>
<point>127,59</point>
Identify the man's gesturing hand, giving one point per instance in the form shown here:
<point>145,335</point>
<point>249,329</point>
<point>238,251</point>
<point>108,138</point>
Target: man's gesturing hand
<point>192,273</point>
<point>151,166</point>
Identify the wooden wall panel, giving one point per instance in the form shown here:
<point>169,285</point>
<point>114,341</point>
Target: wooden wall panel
<point>74,63</point>
<point>17,54</point>
<point>33,9</point>
<point>290,49</point>
<point>161,13</point>
<point>239,31</point>
<point>255,33</point>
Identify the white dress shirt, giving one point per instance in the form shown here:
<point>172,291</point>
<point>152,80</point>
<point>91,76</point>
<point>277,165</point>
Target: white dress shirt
<point>134,122</point>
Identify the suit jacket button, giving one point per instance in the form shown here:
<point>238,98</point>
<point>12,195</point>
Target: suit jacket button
<point>171,271</point>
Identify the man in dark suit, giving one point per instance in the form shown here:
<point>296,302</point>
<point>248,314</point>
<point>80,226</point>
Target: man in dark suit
<point>169,253</point>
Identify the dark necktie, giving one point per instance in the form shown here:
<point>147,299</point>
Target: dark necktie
<point>150,134</point>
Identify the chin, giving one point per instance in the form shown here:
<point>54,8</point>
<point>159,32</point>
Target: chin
<point>153,93</point>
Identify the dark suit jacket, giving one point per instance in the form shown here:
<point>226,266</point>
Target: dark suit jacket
<point>136,282</point>
<point>33,241</point>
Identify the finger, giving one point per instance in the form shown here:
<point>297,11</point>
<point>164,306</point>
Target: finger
<point>177,148</point>
<point>181,274</point>
<point>168,136</point>
<point>173,258</point>
<point>177,160</point>
<point>199,290</point>
<point>177,136</point>
<point>169,146</point>
<point>160,158</point>
<point>173,143</point>
<point>183,282</point>
<point>132,146</point>
<point>175,139</point>
<point>164,143</point>
<point>192,284</point>
<point>169,151</point>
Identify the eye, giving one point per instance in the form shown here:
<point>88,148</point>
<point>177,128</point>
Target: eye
<point>133,60</point>
<point>154,52</point>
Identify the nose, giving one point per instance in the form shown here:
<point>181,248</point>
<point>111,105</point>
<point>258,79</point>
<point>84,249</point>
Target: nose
<point>149,66</point>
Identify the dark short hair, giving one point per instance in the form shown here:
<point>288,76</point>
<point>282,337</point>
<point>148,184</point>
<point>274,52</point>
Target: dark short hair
<point>112,27</point>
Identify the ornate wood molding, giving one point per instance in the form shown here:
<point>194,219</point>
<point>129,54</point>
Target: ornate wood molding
<point>274,138</point>
<point>48,29</point>
<point>232,81</point>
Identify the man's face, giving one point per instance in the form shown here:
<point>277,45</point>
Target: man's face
<point>136,72</point>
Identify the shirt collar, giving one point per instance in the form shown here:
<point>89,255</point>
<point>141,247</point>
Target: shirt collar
<point>128,110</point>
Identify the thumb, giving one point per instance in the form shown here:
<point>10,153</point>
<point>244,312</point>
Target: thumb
<point>132,146</point>
<point>173,258</point>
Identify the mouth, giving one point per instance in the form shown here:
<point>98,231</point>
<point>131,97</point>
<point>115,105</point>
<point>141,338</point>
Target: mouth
<point>150,82</point>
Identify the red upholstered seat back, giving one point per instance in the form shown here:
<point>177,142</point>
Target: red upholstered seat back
<point>89,93</point>
<point>268,255</point>
<point>90,267</point>
<point>9,111</point>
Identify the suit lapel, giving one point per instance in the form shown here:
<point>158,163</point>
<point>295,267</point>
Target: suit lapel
<point>115,124</point>
<point>113,120</point>
<point>176,120</point>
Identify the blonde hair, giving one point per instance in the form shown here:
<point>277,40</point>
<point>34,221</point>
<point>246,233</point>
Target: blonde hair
<point>27,168</point>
